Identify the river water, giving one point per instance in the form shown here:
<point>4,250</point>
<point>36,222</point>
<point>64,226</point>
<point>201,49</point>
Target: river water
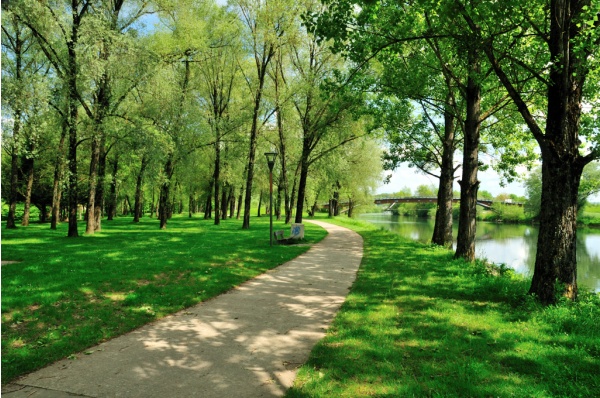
<point>513,245</point>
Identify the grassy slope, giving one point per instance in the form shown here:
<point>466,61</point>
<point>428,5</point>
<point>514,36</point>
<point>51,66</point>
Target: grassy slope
<point>418,323</point>
<point>69,294</point>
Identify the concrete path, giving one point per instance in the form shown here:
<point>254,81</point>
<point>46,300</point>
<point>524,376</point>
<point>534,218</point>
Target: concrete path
<point>245,343</point>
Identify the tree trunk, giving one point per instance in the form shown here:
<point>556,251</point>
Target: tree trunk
<point>350,207</point>
<point>112,200</point>
<point>72,161</point>
<point>260,198</point>
<point>14,155</point>
<point>250,172</point>
<point>43,213</point>
<point>163,211</point>
<point>288,216</point>
<point>99,202</point>
<point>239,206</point>
<point>191,205</point>
<point>231,201</point>
<point>315,207</point>
<point>216,182</point>
<point>283,180</point>
<point>58,175</point>
<point>467,222</point>
<point>224,203</point>
<point>336,203</point>
<point>261,72</point>
<point>301,189</point>
<point>278,200</point>
<point>73,115</point>
<point>562,165</point>
<point>14,180</point>
<point>29,168</point>
<point>90,226</point>
<point>208,206</point>
<point>126,205</point>
<point>442,230</point>
<point>556,259</point>
<point>137,210</point>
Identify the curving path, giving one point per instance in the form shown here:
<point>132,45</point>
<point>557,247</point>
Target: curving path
<point>245,343</point>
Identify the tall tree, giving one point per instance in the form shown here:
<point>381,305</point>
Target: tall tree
<point>62,50</point>
<point>219,74</point>
<point>564,36</point>
<point>324,103</point>
<point>264,22</point>
<point>25,84</point>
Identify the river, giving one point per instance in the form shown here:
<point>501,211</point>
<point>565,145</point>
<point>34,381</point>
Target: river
<point>510,244</point>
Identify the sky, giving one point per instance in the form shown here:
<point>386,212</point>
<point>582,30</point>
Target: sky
<point>409,177</point>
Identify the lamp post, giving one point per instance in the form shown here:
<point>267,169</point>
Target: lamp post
<point>271,162</point>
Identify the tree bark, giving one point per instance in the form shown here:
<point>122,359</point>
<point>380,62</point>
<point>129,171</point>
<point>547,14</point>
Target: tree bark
<point>278,200</point>
<point>137,210</point>
<point>163,210</point>
<point>29,168</point>
<point>90,226</point>
<point>239,205</point>
<point>112,200</point>
<point>14,155</point>
<point>216,182</point>
<point>562,164</point>
<point>288,216</point>
<point>208,207</point>
<point>301,189</point>
<point>467,222</point>
<point>336,202</point>
<point>261,67</point>
<point>58,175</point>
<point>73,115</point>
<point>442,230</point>
<point>99,202</point>
<point>260,198</point>
<point>223,207</point>
<point>231,201</point>
<point>556,259</point>
<point>191,205</point>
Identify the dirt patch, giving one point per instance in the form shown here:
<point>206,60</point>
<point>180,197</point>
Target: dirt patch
<point>6,262</point>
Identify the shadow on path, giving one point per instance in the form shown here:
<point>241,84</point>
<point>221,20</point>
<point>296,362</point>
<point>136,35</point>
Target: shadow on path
<point>247,342</point>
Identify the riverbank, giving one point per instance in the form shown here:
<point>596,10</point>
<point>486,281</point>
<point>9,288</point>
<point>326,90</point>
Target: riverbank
<point>419,323</point>
<point>504,213</point>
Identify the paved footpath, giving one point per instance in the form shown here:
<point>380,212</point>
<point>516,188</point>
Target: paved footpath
<point>248,342</point>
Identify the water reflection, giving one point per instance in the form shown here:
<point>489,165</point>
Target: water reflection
<point>513,245</point>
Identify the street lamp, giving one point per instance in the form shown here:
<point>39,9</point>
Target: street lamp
<point>271,162</point>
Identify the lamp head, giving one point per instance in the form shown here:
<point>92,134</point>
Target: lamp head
<point>271,159</point>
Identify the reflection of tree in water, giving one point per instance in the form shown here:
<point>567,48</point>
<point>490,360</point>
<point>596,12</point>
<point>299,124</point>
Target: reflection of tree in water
<point>588,261</point>
<point>530,238</point>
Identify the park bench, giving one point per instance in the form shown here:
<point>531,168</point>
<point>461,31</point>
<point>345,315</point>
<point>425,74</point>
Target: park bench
<point>280,238</point>
<point>297,234</point>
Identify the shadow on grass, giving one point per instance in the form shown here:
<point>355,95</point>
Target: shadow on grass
<point>419,323</point>
<point>68,294</point>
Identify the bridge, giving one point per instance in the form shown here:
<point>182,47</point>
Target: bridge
<point>421,199</point>
<point>485,203</point>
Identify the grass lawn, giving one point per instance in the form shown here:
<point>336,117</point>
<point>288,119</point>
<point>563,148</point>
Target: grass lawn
<point>419,324</point>
<point>67,294</point>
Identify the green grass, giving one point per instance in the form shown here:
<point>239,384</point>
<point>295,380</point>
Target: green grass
<point>590,214</point>
<point>68,294</point>
<point>419,324</point>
